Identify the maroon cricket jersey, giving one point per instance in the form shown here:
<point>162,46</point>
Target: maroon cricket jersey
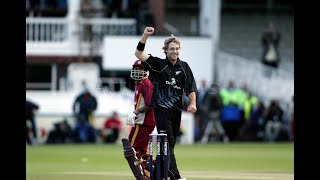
<point>142,96</point>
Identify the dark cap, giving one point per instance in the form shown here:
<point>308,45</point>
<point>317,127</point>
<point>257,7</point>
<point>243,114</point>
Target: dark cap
<point>138,63</point>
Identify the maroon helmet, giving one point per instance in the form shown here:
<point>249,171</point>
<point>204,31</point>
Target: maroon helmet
<point>138,74</point>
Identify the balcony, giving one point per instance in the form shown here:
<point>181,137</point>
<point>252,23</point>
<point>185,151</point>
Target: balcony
<point>66,36</point>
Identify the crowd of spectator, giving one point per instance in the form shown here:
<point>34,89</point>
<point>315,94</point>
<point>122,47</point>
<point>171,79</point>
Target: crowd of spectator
<point>240,115</point>
<point>88,8</point>
<point>83,130</point>
<point>224,114</point>
<point>46,8</point>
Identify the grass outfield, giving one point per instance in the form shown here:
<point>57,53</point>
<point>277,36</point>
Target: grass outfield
<point>232,161</point>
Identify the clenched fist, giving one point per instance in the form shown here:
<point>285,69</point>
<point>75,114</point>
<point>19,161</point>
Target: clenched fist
<point>148,30</point>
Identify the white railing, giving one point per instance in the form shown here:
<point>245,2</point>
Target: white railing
<point>100,27</point>
<point>267,83</point>
<point>46,29</point>
<point>56,29</point>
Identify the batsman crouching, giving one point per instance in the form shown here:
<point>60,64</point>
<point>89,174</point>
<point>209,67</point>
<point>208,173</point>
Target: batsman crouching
<point>142,121</point>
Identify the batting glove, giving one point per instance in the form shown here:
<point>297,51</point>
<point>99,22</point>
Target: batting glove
<point>130,119</point>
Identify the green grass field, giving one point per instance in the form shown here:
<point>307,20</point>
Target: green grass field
<point>234,161</point>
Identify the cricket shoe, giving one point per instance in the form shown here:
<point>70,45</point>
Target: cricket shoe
<point>146,171</point>
<point>176,178</point>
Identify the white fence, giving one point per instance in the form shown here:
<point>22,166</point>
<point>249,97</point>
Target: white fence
<point>56,29</point>
<point>46,29</point>
<point>100,27</point>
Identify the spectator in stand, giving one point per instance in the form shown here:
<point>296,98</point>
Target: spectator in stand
<point>242,97</point>
<point>111,130</point>
<point>120,8</point>
<point>231,113</point>
<point>84,132</point>
<point>273,117</point>
<point>254,129</point>
<point>229,94</point>
<point>60,134</point>
<point>83,107</point>
<point>201,114</point>
<point>31,127</point>
<point>61,7</point>
<point>213,106</point>
<point>270,43</point>
<point>85,104</point>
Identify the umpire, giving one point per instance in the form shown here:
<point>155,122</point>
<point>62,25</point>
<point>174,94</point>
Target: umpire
<point>171,78</point>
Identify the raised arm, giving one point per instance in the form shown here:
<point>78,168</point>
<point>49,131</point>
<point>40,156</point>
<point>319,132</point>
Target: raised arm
<point>140,54</point>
